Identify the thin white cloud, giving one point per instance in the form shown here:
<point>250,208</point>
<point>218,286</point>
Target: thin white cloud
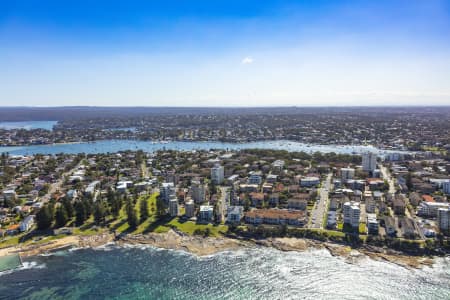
<point>247,60</point>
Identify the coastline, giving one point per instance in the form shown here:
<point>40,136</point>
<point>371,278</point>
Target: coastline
<point>203,246</point>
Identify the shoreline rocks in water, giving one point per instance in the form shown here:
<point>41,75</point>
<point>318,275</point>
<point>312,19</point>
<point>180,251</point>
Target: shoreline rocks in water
<point>197,245</point>
<point>203,246</point>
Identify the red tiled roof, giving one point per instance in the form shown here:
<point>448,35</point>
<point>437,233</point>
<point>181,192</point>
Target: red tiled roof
<point>275,214</point>
<point>428,198</point>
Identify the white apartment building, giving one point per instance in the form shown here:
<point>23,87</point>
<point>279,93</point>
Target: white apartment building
<point>173,207</point>
<point>235,214</point>
<point>369,161</point>
<point>206,213</point>
<point>198,191</point>
<point>443,219</point>
<point>430,209</point>
<point>372,224</point>
<point>446,187</point>
<point>347,173</point>
<point>217,174</point>
<point>189,208</point>
<point>167,191</point>
<point>352,213</point>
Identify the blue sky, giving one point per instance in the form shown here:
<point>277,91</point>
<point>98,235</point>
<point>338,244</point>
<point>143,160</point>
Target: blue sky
<point>224,53</point>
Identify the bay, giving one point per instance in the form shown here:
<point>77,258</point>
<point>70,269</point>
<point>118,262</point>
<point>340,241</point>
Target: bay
<point>112,146</point>
<point>48,125</point>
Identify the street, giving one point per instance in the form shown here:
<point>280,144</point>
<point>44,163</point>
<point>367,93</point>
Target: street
<point>320,208</point>
<point>388,178</point>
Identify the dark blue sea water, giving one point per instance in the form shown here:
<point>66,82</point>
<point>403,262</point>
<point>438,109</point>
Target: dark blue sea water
<point>121,145</point>
<point>255,273</point>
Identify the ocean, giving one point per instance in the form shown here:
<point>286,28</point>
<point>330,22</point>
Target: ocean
<point>143,272</point>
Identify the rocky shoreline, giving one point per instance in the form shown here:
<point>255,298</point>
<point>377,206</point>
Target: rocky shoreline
<point>202,246</point>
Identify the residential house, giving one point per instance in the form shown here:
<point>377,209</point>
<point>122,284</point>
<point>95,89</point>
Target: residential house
<point>27,223</point>
<point>296,203</point>
<point>257,199</point>
<point>310,181</point>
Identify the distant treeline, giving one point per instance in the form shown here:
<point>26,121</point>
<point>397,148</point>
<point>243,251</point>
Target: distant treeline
<point>85,112</point>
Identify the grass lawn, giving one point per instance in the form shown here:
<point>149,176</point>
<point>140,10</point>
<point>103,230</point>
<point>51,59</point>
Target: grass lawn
<point>334,233</point>
<point>362,228</point>
<point>88,231</point>
<point>121,225</point>
<point>10,241</point>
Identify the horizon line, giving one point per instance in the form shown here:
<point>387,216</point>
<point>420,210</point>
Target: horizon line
<point>223,107</point>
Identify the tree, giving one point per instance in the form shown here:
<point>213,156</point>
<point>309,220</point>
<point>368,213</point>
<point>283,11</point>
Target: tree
<point>408,181</point>
<point>44,218</point>
<point>69,208</point>
<point>61,217</point>
<point>100,212</point>
<point>131,215</point>
<point>144,210</point>
<point>80,213</point>
<point>160,207</point>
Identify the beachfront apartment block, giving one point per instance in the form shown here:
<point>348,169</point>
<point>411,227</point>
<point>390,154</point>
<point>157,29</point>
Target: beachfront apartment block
<point>351,213</point>
<point>331,219</point>
<point>235,214</point>
<point>443,219</point>
<point>167,191</point>
<point>372,224</point>
<point>217,174</point>
<point>206,213</point>
<point>189,208</point>
<point>275,217</point>
<point>173,207</point>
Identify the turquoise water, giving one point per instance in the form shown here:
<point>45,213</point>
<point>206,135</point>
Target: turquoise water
<point>9,262</point>
<point>121,145</point>
<point>48,125</point>
<point>258,273</point>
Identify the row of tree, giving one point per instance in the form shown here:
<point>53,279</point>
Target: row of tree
<point>59,214</point>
